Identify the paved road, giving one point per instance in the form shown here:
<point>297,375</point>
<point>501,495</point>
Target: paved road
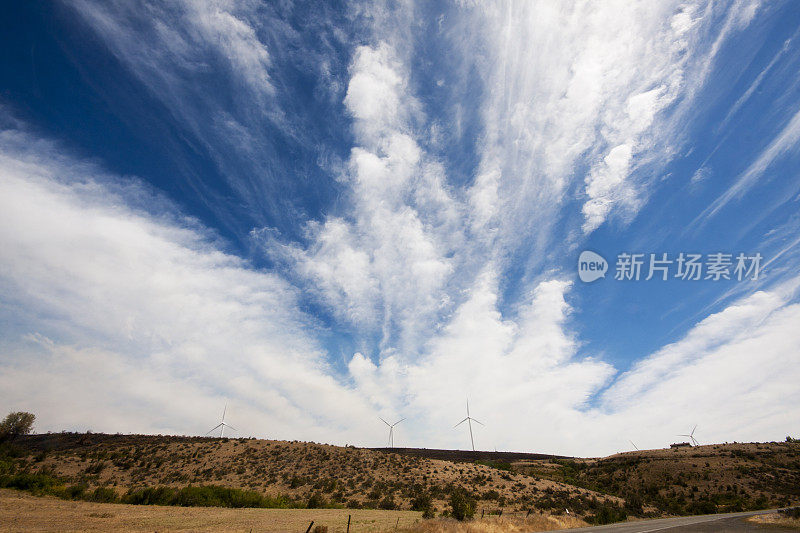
<point>718,523</point>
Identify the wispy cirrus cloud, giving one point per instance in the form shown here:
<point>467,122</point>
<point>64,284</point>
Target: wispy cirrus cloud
<point>129,306</point>
<point>785,142</point>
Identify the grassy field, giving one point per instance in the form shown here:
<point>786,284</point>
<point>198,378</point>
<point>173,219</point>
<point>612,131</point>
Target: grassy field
<point>22,512</point>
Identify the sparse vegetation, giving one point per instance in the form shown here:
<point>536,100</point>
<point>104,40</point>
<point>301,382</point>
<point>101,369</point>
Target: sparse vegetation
<point>149,470</point>
<point>697,480</point>
<point>239,473</point>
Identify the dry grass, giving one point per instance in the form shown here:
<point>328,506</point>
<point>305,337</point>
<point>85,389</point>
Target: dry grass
<point>23,512</point>
<point>734,477</point>
<point>776,519</point>
<point>342,476</point>
<point>498,525</point>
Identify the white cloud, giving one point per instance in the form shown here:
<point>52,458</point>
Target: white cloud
<point>566,85</point>
<point>142,309</point>
<point>126,320</point>
<point>388,265</point>
<point>208,65</point>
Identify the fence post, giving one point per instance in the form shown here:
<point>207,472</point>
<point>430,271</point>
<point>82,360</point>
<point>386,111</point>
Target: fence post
<point>397,523</point>
<point>348,523</point>
<point>309,526</point>
<point>482,511</point>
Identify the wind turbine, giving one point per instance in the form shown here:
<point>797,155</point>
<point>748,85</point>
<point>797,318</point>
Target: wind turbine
<point>391,430</point>
<point>632,444</point>
<point>469,420</point>
<point>222,425</point>
<point>691,436</point>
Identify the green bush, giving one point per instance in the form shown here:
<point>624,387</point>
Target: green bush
<point>608,514</point>
<point>36,483</point>
<point>103,495</point>
<point>151,496</point>
<point>421,501</point>
<point>461,505</point>
<point>215,496</point>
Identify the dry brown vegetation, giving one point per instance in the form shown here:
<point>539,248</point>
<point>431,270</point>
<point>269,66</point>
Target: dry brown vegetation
<point>697,480</point>
<point>533,494</point>
<point>316,475</point>
<point>776,519</point>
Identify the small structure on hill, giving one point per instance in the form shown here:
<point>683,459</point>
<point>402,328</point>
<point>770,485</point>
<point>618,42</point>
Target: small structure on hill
<point>680,445</point>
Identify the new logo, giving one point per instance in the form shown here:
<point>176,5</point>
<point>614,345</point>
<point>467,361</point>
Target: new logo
<point>591,266</point>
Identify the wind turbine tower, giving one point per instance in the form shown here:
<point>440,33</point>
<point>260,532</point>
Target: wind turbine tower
<point>469,420</point>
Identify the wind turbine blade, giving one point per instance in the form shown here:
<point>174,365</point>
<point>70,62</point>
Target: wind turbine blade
<point>694,428</point>
<point>385,422</point>
<point>224,411</point>
<point>214,428</point>
<point>231,427</point>
<point>479,422</point>
<point>398,422</point>
<point>467,407</point>
<point>682,435</point>
<point>461,422</point>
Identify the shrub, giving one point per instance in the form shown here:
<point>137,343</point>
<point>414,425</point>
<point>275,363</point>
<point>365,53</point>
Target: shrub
<point>215,496</point>
<point>421,502</point>
<point>387,503</point>
<point>316,501</point>
<point>103,495</point>
<point>608,514</point>
<point>151,496</point>
<point>633,504</point>
<point>491,495</point>
<point>461,505</point>
<point>36,483</point>
<point>793,512</point>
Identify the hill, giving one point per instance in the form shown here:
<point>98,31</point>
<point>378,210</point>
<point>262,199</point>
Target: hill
<point>692,480</point>
<point>302,474</point>
<point>702,479</point>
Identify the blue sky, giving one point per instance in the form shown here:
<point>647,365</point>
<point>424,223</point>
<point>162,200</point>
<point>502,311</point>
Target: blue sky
<point>324,213</point>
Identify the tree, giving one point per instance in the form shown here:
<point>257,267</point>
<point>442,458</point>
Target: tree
<point>16,424</point>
